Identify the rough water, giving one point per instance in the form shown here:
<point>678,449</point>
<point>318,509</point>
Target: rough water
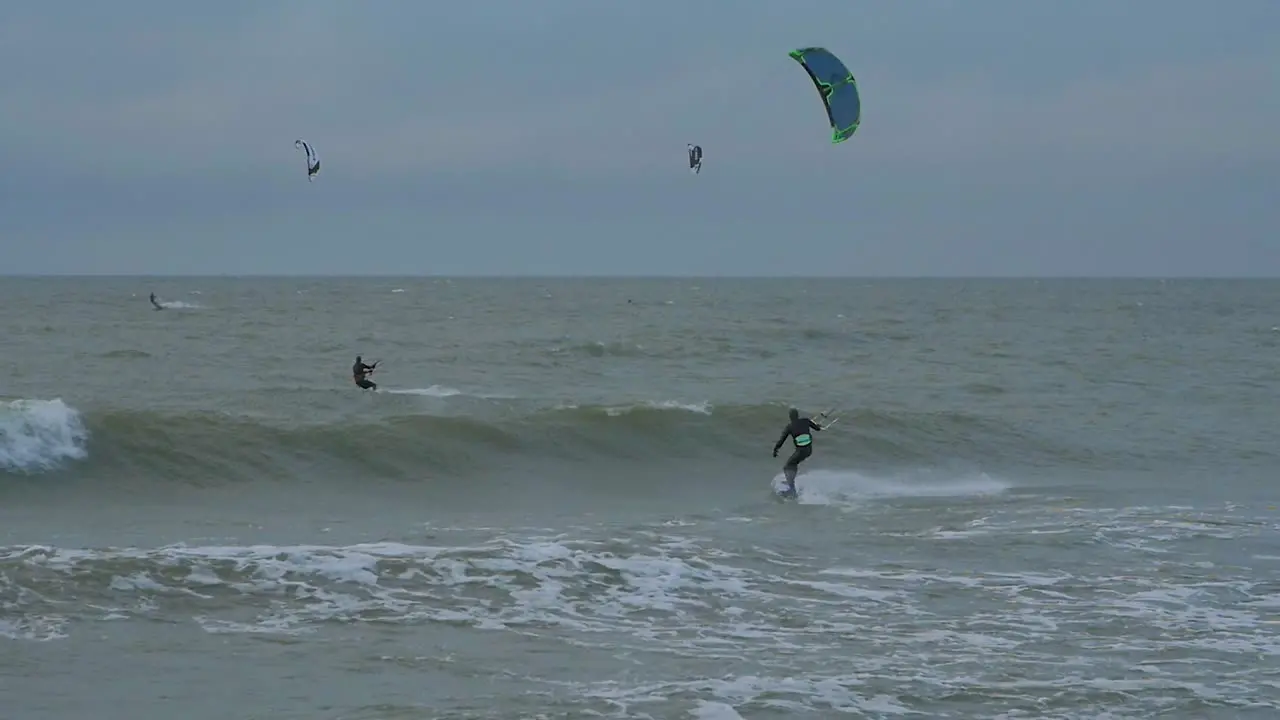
<point>1043,499</point>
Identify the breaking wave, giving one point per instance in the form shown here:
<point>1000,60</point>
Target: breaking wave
<point>39,435</point>
<point>401,440</point>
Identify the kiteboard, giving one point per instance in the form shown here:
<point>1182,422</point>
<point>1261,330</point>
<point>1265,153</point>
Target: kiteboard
<point>781,491</point>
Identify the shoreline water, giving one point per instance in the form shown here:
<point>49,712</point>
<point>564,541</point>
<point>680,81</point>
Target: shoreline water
<point>1043,498</point>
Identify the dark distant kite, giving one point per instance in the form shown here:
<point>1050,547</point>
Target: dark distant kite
<point>313,160</point>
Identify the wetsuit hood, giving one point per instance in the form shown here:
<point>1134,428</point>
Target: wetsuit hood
<point>794,414</point>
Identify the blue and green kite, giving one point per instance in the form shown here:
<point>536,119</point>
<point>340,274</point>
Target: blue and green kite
<point>836,86</point>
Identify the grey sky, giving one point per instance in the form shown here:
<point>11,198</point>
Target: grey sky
<point>999,137</point>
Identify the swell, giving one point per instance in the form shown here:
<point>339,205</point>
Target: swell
<point>209,448</point>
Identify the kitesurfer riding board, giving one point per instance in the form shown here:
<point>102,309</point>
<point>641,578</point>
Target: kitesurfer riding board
<point>360,374</point>
<point>800,430</point>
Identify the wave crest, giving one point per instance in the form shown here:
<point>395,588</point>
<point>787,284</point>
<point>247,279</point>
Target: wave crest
<point>400,441</point>
<point>40,435</point>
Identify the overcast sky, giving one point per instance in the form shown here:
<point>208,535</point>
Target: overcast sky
<point>999,137</point>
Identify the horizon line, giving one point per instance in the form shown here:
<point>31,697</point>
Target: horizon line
<point>606,276</point>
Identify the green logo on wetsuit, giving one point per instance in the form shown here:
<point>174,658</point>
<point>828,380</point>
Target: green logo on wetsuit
<point>803,439</point>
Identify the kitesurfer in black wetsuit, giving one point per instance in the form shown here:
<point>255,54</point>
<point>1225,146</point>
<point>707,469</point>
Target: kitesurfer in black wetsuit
<point>155,303</point>
<point>360,374</point>
<point>798,430</point>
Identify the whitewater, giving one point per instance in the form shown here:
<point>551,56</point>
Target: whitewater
<point>1044,499</point>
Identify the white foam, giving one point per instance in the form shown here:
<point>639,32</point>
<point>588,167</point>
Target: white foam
<point>444,391</point>
<point>35,628</point>
<point>836,487</point>
<point>707,710</point>
<point>542,581</point>
<point>702,408</point>
<point>37,435</point>
<point>433,391</point>
<point>664,590</point>
<point>179,305</point>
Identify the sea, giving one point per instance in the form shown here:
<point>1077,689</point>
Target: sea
<point>1041,499</point>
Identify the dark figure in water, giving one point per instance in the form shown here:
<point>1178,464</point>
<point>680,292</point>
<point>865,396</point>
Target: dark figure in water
<point>155,302</point>
<point>360,373</point>
<point>798,430</point>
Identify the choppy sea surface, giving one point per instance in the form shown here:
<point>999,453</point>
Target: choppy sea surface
<point>1043,499</point>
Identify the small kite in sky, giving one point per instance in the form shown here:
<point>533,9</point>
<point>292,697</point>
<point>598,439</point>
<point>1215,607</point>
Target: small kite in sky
<point>313,160</point>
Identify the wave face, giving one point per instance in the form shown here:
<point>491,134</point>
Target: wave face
<point>214,448</point>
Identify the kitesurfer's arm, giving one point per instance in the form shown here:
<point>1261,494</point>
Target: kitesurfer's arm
<point>813,425</point>
<point>781,439</point>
